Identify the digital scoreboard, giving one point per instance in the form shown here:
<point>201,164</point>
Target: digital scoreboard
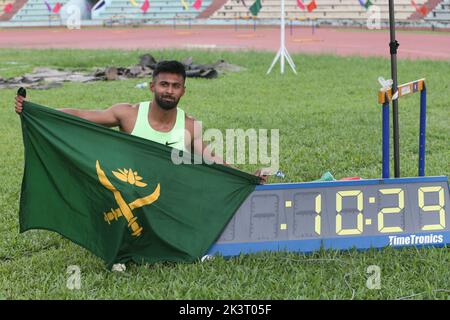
<point>304,217</point>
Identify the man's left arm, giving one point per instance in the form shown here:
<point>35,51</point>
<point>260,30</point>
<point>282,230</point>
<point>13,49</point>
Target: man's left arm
<point>204,150</point>
<point>200,147</point>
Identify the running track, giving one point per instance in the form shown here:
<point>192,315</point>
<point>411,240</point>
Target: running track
<point>344,42</point>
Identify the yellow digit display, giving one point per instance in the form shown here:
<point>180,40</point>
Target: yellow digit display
<point>318,211</point>
<point>392,210</point>
<point>428,208</point>
<point>359,218</point>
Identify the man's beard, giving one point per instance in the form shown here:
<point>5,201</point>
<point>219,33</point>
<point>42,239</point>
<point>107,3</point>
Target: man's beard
<point>166,104</point>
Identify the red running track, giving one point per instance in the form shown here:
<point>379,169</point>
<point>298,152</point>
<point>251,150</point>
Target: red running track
<point>413,45</point>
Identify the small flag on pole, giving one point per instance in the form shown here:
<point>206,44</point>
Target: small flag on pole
<point>145,6</point>
<point>255,7</point>
<point>368,4</point>
<point>49,8</point>
<point>300,4</point>
<point>57,7</point>
<point>8,8</point>
<point>197,4</point>
<point>311,6</point>
<point>184,4</point>
<point>422,9</point>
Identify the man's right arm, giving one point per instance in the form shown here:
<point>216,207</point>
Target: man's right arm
<point>109,117</point>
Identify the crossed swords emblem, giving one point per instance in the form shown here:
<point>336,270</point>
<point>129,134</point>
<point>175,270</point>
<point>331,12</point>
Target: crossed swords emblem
<point>125,209</point>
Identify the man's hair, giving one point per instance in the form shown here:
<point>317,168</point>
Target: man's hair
<point>171,66</point>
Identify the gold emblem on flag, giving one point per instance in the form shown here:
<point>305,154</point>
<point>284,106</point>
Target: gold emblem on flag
<point>126,209</point>
<point>129,176</point>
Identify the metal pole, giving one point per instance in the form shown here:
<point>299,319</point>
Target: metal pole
<point>282,53</point>
<point>385,139</point>
<point>393,50</point>
<point>423,122</point>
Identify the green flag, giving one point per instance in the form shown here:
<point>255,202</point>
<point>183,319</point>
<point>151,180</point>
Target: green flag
<point>255,7</point>
<point>121,196</point>
<point>368,4</point>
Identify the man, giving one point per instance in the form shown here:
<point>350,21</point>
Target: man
<point>159,120</point>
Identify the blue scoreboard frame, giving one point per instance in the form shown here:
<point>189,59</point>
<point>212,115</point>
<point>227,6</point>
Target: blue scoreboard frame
<point>361,214</point>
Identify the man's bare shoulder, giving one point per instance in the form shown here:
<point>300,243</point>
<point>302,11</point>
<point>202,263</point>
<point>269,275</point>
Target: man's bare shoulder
<point>190,122</point>
<point>189,118</point>
<point>122,110</point>
<point>194,126</point>
<point>125,107</point>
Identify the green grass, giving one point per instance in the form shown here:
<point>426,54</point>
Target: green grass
<point>329,120</point>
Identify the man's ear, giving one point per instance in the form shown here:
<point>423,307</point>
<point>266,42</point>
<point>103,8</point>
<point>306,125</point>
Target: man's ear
<point>152,86</point>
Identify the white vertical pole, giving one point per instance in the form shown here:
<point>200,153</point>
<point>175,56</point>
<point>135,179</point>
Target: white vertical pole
<point>282,53</point>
